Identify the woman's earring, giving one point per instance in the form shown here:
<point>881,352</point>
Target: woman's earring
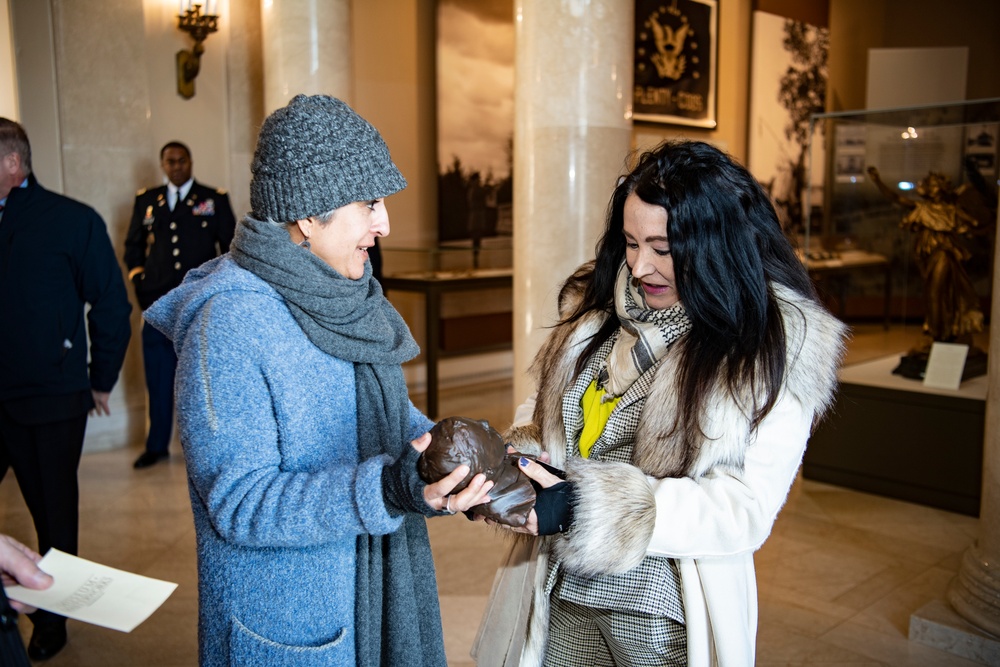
<point>305,244</point>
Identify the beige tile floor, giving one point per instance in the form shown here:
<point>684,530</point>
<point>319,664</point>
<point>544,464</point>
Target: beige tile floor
<point>838,579</point>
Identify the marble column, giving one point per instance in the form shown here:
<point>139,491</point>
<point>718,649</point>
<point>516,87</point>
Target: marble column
<point>306,48</point>
<point>572,133</point>
<point>975,593</point>
<point>970,625</point>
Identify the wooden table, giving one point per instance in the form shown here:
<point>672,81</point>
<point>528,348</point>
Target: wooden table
<point>432,284</point>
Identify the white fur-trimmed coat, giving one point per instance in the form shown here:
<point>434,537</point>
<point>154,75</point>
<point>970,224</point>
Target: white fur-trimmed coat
<point>708,505</point>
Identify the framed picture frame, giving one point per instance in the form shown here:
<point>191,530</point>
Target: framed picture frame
<point>785,152</point>
<point>676,62</point>
<point>474,63</point>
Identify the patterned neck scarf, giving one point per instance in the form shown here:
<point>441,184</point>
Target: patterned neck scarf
<point>645,336</point>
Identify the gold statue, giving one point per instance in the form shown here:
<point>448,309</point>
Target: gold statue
<point>940,223</point>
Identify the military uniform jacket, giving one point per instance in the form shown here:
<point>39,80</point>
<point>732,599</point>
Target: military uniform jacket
<point>162,245</point>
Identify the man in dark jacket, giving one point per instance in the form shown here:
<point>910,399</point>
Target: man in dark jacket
<point>55,257</point>
<point>174,228</point>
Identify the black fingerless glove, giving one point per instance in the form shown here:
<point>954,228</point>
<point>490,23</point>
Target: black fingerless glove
<point>554,505</point>
<point>402,487</point>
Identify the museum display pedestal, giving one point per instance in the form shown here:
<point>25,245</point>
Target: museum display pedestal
<point>893,436</point>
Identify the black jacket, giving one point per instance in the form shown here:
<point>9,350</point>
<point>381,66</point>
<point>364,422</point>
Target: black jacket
<point>55,256</point>
<point>162,245</point>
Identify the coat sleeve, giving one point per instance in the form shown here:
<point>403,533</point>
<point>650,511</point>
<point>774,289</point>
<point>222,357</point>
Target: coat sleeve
<point>522,415</point>
<point>250,433</point>
<point>108,324</point>
<point>419,424</point>
<point>726,513</point>
<point>227,223</point>
<point>720,514</point>
<point>135,239</point>
<point>524,435</point>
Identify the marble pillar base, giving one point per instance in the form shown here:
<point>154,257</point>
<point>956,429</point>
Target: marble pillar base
<point>937,625</point>
<point>975,593</point>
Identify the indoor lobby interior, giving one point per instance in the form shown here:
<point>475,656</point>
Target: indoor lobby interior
<point>839,578</point>
<point>845,573</point>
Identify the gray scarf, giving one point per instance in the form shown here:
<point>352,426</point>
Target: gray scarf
<point>396,598</point>
<point>347,319</point>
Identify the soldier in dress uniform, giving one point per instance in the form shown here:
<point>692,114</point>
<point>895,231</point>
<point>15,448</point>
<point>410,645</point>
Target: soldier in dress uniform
<point>174,228</point>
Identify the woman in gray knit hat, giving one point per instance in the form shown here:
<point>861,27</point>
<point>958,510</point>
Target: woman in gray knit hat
<point>300,440</point>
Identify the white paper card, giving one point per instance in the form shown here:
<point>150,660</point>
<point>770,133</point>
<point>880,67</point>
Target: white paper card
<point>94,593</point>
<point>945,365</point>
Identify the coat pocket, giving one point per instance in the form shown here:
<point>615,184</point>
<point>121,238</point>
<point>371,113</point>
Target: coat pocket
<point>246,647</point>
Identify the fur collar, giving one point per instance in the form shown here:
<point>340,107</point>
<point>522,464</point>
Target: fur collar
<point>814,350</point>
<point>815,346</point>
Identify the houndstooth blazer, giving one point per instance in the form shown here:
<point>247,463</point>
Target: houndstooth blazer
<point>653,586</point>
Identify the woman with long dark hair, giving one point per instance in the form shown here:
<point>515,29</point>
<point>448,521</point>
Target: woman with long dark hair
<point>678,391</point>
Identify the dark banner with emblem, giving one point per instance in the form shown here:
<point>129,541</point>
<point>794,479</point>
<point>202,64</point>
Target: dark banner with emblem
<point>675,61</point>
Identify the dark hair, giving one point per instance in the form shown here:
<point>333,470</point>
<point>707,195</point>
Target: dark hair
<point>728,250</point>
<point>13,139</point>
<point>175,144</point>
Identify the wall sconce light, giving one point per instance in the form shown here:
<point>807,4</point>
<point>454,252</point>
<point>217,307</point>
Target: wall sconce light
<point>199,26</point>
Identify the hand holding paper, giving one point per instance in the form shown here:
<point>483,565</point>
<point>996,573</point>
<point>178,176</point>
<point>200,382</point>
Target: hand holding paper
<point>95,593</point>
<point>19,565</point>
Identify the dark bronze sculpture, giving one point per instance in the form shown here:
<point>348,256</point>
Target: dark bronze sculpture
<point>459,440</point>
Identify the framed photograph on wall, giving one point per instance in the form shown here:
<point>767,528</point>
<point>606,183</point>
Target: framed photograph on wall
<point>475,106</point>
<point>788,75</point>
<point>676,47</point>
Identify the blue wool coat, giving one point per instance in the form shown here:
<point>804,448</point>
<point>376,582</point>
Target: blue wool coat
<point>268,424</point>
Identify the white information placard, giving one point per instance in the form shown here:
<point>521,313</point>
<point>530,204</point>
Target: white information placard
<point>945,365</point>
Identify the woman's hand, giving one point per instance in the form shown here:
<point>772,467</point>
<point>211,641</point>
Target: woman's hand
<point>544,479</point>
<point>531,525</point>
<point>543,457</point>
<point>438,495</point>
<point>538,473</point>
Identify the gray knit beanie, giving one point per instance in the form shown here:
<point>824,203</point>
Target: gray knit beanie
<point>315,155</point>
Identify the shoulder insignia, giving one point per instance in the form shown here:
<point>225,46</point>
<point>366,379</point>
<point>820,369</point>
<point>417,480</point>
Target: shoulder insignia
<point>220,191</point>
<point>141,192</point>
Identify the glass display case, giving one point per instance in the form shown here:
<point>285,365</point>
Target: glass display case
<point>862,241</point>
<point>902,231</point>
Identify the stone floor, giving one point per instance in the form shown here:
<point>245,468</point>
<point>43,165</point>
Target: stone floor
<point>838,579</point>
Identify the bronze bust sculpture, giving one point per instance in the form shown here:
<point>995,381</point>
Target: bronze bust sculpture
<point>460,440</point>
